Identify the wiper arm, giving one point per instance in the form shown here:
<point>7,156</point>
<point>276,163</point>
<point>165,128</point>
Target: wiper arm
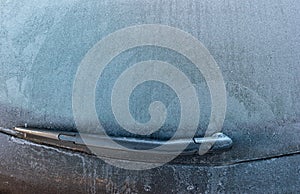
<point>73,140</point>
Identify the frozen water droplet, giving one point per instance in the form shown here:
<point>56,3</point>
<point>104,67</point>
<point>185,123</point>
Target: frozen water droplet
<point>190,188</point>
<point>147,188</point>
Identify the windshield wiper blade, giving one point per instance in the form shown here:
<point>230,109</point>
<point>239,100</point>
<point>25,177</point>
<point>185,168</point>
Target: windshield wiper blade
<point>74,141</point>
